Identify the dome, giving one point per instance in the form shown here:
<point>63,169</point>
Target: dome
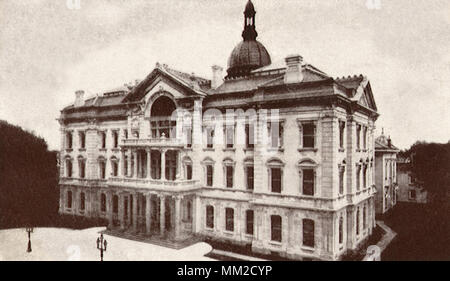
<point>247,56</point>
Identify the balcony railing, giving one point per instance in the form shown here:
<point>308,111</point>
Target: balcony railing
<point>82,181</point>
<point>152,183</point>
<point>158,142</point>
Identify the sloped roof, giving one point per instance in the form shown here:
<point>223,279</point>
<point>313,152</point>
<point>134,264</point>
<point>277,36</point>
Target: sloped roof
<point>384,144</point>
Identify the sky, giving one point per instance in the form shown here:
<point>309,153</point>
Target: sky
<point>51,48</point>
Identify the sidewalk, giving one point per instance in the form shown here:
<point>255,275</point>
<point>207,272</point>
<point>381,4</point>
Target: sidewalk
<point>387,238</point>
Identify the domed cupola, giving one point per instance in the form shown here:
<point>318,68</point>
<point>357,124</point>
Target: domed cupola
<point>248,54</point>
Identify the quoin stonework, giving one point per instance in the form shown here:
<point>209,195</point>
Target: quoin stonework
<point>278,156</point>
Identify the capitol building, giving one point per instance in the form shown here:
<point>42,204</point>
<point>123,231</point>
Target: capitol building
<point>278,157</point>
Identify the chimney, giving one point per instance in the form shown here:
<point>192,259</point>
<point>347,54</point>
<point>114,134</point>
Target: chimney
<point>79,98</point>
<point>217,78</point>
<point>293,69</point>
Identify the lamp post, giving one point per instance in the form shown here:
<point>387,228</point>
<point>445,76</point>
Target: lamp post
<point>101,245</point>
<point>29,230</point>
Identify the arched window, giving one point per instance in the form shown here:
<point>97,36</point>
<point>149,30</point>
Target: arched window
<point>161,122</point>
<point>341,230</point>
<point>208,164</point>
<point>102,168</point>
<point>275,225</point>
<point>68,167</point>
<point>187,163</point>
<point>249,174</point>
<point>115,204</point>
<point>103,202</point>
<point>69,199</point>
<point>308,233</point>
<point>189,210</point>
<point>82,201</point>
<point>82,167</point>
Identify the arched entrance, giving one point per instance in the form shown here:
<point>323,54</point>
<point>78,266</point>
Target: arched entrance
<point>161,123</point>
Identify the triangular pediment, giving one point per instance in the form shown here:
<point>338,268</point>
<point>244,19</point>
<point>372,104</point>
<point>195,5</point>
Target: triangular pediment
<point>161,80</point>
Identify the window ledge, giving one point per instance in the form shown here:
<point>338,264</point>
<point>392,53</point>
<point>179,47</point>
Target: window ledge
<point>208,149</point>
<point>82,149</point>
<point>358,150</point>
<point>115,149</point>
<point>271,149</point>
<point>249,236</point>
<point>275,243</point>
<point>102,149</point>
<point>247,149</point>
<point>69,149</point>
<point>188,148</point>
<point>341,150</point>
<point>231,149</point>
<point>209,229</point>
<point>306,149</point>
<point>228,232</point>
<point>308,248</point>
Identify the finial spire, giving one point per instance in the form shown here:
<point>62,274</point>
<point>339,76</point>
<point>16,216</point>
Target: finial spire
<point>249,33</point>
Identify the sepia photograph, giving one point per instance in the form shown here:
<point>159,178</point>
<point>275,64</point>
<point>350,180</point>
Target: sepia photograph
<point>225,131</point>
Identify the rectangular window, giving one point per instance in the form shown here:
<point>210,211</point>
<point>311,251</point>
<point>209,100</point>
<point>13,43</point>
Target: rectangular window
<point>341,179</point>
<point>412,194</point>
<point>82,140</point>
<point>103,139</point>
<point>276,180</point>
<point>69,199</point>
<point>103,202</point>
<point>82,201</point>
<point>209,137</point>
<point>229,136</point>
<point>365,137</point>
<point>188,171</point>
<point>308,182</point>
<point>210,216</point>
<point>275,228</point>
<point>229,171</point>
<point>308,135</point>
<point>249,135</point>
<point>250,177</point>
<point>69,168</point>
<point>115,139</point>
<point>229,224</point>
<point>125,133</point>
<point>341,134</point>
<point>188,134</point>
<point>209,175</point>
<point>276,131</point>
<point>358,136</point>
<point>358,177</point>
<point>69,140</point>
<point>82,169</point>
<point>102,170</point>
<point>365,176</point>
<point>115,167</point>
<point>308,233</point>
<point>249,214</point>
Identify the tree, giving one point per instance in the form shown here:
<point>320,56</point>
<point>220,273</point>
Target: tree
<point>430,164</point>
<point>28,178</point>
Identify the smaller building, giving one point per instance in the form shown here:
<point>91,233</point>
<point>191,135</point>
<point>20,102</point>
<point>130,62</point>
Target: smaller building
<point>409,188</point>
<point>385,174</point>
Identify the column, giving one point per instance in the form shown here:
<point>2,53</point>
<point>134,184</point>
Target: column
<point>136,161</point>
<point>178,175</point>
<point>121,172</point>
<point>109,209</point>
<point>162,214</point>
<point>129,172</point>
<point>129,209</point>
<point>163,164</point>
<point>135,214</point>
<point>177,216</point>
<point>148,209</point>
<point>121,212</point>
<point>195,214</point>
<point>149,162</point>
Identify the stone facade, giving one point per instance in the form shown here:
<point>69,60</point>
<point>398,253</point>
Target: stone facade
<point>262,160</point>
<point>385,174</point>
